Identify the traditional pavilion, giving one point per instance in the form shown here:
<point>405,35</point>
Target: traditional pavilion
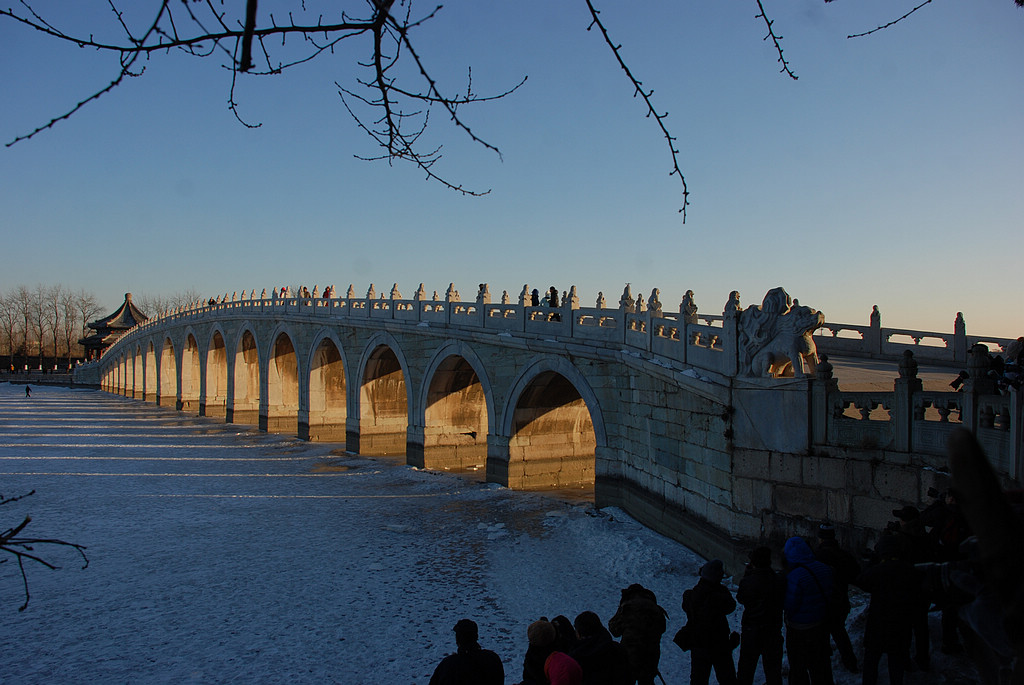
<point>111,328</point>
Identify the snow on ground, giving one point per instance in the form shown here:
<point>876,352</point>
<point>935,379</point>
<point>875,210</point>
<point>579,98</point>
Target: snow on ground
<point>220,554</point>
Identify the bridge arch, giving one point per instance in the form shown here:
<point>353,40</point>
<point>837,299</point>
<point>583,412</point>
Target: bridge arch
<point>244,392</point>
<point>215,390</point>
<point>554,425</point>
<point>382,400</point>
<point>283,383</point>
<point>167,396</point>
<point>138,372</point>
<point>191,374</point>
<point>454,412</point>
<point>149,375</point>
<point>327,404</point>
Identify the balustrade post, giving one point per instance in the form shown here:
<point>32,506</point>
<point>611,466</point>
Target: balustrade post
<point>874,337</point>
<point>902,411</point>
<point>822,386</point>
<point>976,384</point>
<point>1016,435</point>
<point>960,338</point>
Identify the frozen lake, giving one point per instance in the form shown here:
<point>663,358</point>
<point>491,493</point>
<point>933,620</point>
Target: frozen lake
<point>219,554</point>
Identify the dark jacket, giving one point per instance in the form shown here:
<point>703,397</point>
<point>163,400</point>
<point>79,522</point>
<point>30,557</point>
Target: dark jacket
<point>604,661</point>
<point>640,621</point>
<point>895,590</point>
<point>707,606</point>
<point>808,586</point>
<point>845,570</point>
<point>761,592</point>
<point>471,665</point>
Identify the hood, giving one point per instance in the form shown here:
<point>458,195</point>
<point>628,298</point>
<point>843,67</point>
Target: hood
<point>797,551</point>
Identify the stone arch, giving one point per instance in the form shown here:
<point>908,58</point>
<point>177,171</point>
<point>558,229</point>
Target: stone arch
<point>167,395</point>
<point>244,400</point>
<point>190,374</point>
<point>149,375</point>
<point>328,399</point>
<point>383,399</point>
<point>215,395</point>
<point>282,385</point>
<point>454,413</point>
<point>554,425</point>
<point>138,374</point>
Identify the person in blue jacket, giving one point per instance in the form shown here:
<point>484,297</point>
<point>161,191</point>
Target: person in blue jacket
<point>809,587</point>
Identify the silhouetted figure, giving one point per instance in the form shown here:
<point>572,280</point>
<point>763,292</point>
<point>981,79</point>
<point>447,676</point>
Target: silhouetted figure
<point>565,633</point>
<point>471,664</point>
<point>603,660</point>
<point>535,298</point>
<point>895,589</point>
<point>553,297</point>
<point>761,592</point>
<point>917,548</point>
<point>808,589</point>
<point>707,606</point>
<point>28,391</point>
<point>845,570</point>
<point>640,621</point>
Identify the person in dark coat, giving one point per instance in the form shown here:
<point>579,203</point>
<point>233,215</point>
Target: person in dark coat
<point>603,660</point>
<point>917,548</point>
<point>471,664</point>
<point>707,606</point>
<point>761,592</point>
<point>845,570</point>
<point>895,589</point>
<point>565,634</point>
<point>805,606</point>
<point>640,622</point>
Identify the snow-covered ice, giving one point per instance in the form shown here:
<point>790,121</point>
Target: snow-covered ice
<point>220,554</point>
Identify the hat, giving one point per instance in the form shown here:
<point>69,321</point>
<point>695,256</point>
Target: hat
<point>907,513</point>
<point>827,531</point>
<point>466,629</point>
<point>761,557</point>
<point>713,571</point>
<point>541,633</point>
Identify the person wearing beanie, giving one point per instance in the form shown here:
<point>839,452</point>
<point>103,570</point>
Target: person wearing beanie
<point>471,664</point>
<point>761,592</point>
<point>544,664</point>
<point>707,606</point>
<point>640,622</point>
<point>809,587</point>
<point>845,570</point>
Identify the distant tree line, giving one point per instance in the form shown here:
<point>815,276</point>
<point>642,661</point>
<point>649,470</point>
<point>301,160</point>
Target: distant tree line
<point>43,325</point>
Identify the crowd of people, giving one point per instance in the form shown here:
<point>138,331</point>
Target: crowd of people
<point>923,561</point>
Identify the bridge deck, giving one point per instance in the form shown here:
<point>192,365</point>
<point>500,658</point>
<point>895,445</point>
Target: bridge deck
<point>876,374</point>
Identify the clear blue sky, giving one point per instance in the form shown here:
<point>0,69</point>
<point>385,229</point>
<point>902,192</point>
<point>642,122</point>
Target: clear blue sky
<point>888,174</point>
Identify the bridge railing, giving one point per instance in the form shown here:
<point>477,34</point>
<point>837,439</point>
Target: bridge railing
<point>707,341</point>
<point>910,419</point>
<point>929,347</point>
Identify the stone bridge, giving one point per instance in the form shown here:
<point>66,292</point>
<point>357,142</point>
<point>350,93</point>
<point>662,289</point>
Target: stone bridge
<point>720,430</point>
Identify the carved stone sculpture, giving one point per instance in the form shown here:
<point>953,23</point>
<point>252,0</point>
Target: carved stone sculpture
<point>626,302</point>
<point>775,338</point>
<point>688,308</point>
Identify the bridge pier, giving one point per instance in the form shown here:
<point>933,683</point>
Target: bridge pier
<point>436,447</point>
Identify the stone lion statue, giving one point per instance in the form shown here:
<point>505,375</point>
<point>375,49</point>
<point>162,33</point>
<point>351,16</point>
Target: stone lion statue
<point>775,338</point>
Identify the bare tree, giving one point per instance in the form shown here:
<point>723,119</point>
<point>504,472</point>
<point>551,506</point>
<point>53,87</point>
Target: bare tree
<point>52,297</point>
<point>23,548</point>
<point>87,307</point>
<point>152,305</point>
<point>38,315</point>
<point>69,321</point>
<point>23,303</point>
<point>9,323</point>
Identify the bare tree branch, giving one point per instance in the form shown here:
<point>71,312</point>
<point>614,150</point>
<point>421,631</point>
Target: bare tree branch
<point>776,39</point>
<point>895,21</point>
<point>646,95</point>
<point>23,548</point>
